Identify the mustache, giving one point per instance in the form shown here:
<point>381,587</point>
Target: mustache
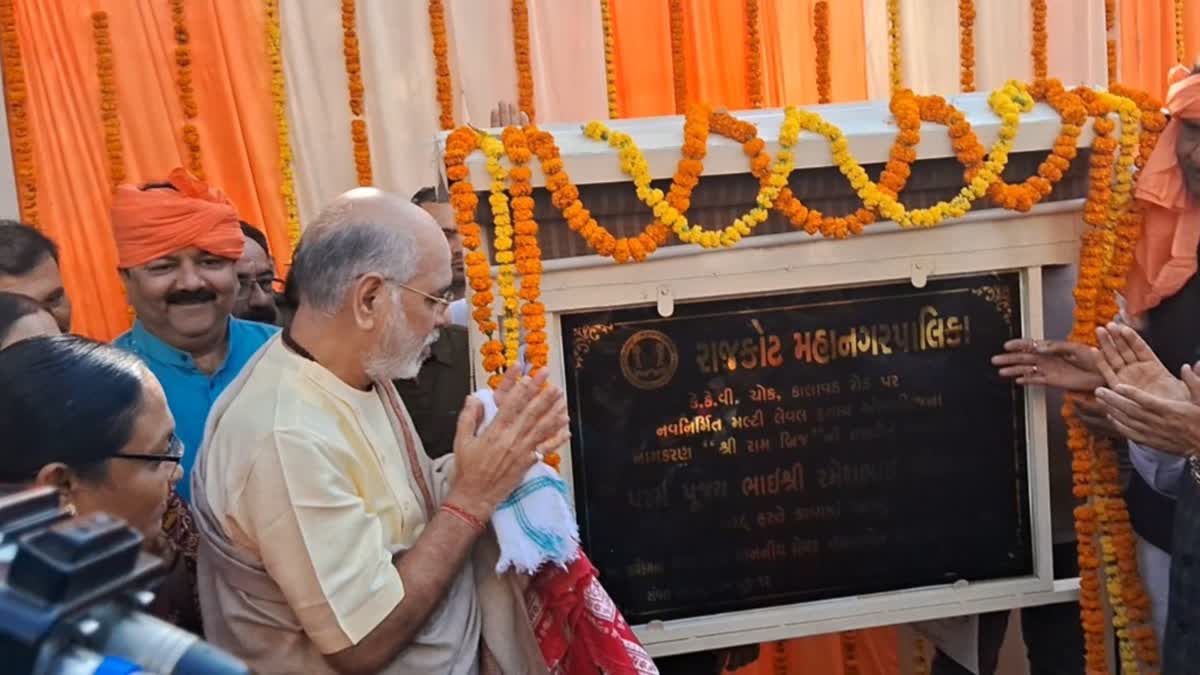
<point>264,314</point>
<point>191,297</point>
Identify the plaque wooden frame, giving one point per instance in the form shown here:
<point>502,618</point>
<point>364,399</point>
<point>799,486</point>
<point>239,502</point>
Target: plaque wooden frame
<point>983,241</point>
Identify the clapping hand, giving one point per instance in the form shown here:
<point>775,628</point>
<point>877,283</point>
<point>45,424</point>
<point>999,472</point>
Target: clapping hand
<point>1143,401</point>
<point>1166,424</point>
<point>1050,363</point>
<point>1124,358</point>
<point>531,421</point>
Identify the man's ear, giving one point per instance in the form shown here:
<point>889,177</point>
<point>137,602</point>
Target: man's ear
<point>370,297</point>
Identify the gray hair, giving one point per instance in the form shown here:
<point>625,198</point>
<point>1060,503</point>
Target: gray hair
<point>341,246</point>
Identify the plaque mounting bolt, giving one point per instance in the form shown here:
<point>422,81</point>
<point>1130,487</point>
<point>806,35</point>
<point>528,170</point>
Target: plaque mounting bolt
<point>918,273</point>
<point>666,301</point>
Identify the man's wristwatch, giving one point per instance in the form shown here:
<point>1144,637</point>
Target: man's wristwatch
<point>1194,467</point>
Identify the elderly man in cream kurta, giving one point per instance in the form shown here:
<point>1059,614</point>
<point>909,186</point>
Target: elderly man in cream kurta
<point>330,542</point>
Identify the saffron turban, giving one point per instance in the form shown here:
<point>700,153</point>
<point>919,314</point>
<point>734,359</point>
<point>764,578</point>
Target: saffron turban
<point>1165,256</point>
<point>150,224</point>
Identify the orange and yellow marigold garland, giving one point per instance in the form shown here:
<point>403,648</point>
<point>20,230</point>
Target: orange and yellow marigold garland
<point>610,68</point>
<point>1083,459</point>
<point>895,69</point>
<point>966,44</point>
<point>183,81</point>
<point>821,41</point>
<point>16,99</point>
<point>1039,39</point>
<point>1073,113</point>
<point>287,182</point>
<point>1102,525</point>
<point>754,82</point>
<point>109,117</point>
<point>634,165</point>
<point>678,62</point>
<point>1180,36</point>
<point>907,113</point>
<point>358,124</point>
<point>459,145</point>
<point>521,50</point>
<point>565,197</point>
<point>502,243</point>
<point>528,254</point>
<point>1110,22</point>
<point>441,64</point>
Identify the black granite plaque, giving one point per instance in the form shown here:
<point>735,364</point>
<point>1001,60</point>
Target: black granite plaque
<point>762,451</point>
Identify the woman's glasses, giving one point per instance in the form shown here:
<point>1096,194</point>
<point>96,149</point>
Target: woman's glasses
<point>174,453</point>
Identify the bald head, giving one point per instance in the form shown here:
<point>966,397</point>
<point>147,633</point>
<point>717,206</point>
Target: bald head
<point>367,231</point>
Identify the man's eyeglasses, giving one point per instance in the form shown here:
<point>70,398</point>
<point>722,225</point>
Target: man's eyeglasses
<point>268,285</point>
<point>443,300</point>
<point>173,454</point>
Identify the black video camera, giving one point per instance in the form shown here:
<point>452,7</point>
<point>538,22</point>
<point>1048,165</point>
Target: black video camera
<point>72,591</point>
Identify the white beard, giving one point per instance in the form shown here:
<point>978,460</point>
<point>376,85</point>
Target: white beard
<point>401,354</point>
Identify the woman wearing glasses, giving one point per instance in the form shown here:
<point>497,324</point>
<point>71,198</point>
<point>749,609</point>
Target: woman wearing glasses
<point>92,421</point>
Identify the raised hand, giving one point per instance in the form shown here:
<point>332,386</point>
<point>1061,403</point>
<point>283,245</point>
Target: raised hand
<point>1126,359</point>
<point>507,114</point>
<point>1050,363</point>
<point>1166,424</point>
<point>530,423</point>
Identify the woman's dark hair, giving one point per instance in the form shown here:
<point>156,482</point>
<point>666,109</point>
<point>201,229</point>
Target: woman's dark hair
<point>65,399</point>
<point>13,308</point>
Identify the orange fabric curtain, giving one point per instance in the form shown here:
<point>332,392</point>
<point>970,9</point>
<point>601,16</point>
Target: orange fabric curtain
<point>1147,42</point>
<point>715,51</point>
<point>231,78</point>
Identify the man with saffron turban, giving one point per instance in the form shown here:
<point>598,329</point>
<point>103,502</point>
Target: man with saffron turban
<point>177,243</point>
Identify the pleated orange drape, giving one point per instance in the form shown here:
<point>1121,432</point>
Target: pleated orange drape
<point>231,80</point>
<point>715,50</point>
<point>1147,42</point>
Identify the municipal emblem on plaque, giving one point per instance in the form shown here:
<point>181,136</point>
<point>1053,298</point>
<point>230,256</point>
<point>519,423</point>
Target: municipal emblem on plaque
<point>649,359</point>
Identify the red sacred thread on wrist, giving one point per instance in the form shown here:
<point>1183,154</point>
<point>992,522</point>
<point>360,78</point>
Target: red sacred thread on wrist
<point>462,515</point>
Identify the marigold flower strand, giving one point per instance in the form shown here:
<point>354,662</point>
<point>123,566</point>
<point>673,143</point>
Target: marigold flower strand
<point>966,44</point>
<point>183,82</point>
<point>441,64</point>
<point>821,40</point>
<point>358,123</point>
<point>678,62</point>
<point>895,69</point>
<point>287,183</point>
<point>521,50</point>
<point>1180,34</point>
<point>610,69</point>
<point>754,82</point>
<point>459,145</point>
<point>1110,22</point>
<point>109,117</point>
<point>1039,39</point>
<point>16,100</point>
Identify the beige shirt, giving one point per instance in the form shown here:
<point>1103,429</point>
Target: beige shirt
<point>304,474</point>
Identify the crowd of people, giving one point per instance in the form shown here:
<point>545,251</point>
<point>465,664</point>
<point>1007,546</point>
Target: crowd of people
<point>306,456</point>
<point>296,536</point>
